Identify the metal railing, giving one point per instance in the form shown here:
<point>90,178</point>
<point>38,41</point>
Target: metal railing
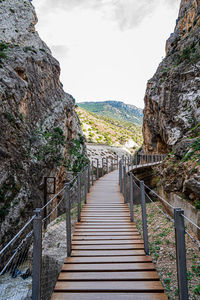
<point>73,192</point>
<point>138,190</point>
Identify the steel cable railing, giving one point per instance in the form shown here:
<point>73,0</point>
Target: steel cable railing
<point>136,191</point>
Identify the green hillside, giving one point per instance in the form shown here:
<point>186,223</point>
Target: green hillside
<point>116,110</point>
<point>108,131</point>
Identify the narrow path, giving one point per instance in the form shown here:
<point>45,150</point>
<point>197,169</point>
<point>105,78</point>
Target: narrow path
<point>108,261</point>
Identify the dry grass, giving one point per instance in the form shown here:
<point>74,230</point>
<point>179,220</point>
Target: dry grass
<point>162,249</point>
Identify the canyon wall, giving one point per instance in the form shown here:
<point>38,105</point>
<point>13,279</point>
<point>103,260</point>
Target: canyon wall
<point>172,99</point>
<point>38,123</point>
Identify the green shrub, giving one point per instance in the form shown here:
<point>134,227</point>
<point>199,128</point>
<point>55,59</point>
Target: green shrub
<point>50,150</point>
<point>3,49</point>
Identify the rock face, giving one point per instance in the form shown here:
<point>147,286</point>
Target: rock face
<point>172,100</point>
<point>38,123</point>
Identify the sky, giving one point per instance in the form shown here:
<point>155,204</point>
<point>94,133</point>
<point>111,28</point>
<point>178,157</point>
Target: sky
<point>107,49</point>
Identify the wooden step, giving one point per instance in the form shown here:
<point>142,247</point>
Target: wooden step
<point>97,276</point>
<point>109,286</point>
<point>134,236</point>
<point>111,259</point>
<point>108,252</point>
<point>109,247</point>
<point>109,296</point>
<point>104,233</point>
<point>108,242</point>
<point>86,230</point>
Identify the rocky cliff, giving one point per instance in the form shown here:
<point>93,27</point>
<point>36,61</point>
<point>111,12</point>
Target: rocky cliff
<point>172,100</point>
<point>172,107</point>
<point>39,130</point>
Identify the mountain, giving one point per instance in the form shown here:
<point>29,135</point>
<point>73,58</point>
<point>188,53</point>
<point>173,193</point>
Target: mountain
<point>116,110</point>
<point>104,130</point>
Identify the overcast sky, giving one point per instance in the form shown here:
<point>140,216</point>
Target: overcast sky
<point>107,49</point>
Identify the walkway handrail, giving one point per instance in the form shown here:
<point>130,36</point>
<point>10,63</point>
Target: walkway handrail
<point>178,220</point>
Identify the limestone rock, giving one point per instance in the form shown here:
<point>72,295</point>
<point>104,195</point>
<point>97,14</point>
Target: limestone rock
<point>172,99</point>
<point>37,118</point>
<point>182,146</point>
<point>191,185</point>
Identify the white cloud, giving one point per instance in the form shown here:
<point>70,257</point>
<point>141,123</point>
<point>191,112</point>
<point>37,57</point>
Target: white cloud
<point>107,49</point>
<point>60,50</point>
<point>128,13</point>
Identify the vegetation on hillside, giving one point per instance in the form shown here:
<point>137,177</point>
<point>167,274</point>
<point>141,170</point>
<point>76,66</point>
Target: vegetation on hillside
<point>104,130</point>
<point>115,110</point>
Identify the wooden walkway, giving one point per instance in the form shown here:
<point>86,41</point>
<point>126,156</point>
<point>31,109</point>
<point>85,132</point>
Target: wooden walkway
<point>108,261</point>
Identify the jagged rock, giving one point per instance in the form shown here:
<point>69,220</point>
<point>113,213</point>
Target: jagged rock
<point>181,147</point>
<point>34,108</point>
<point>172,99</point>
<point>4,154</point>
<point>191,185</point>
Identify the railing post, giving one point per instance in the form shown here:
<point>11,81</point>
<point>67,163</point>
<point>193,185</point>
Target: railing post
<point>88,169</point>
<point>92,172</point>
<point>131,196</point>
<point>180,254</point>
<point>107,167</point>
<point>125,161</point>
<point>125,190</point>
<point>136,161</point>
<point>85,183</point>
<point>79,197</point>
<point>117,161</point>
<point>120,176</point>
<point>102,166</point>
<point>144,218</point>
<point>37,255</point>
<point>68,219</point>
<point>97,168</point>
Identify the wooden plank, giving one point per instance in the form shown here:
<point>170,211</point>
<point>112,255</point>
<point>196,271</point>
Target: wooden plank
<point>94,276</point>
<point>114,259</point>
<point>92,218</point>
<point>97,230</point>
<point>93,224</point>
<point>108,242</point>
<point>85,226</point>
<point>103,233</point>
<point>108,247</point>
<point>131,286</point>
<point>109,267</point>
<point>106,221</point>
<point>107,253</point>
<point>101,208</point>
<point>109,209</point>
<point>109,216</point>
<point>109,296</point>
<point>110,237</point>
